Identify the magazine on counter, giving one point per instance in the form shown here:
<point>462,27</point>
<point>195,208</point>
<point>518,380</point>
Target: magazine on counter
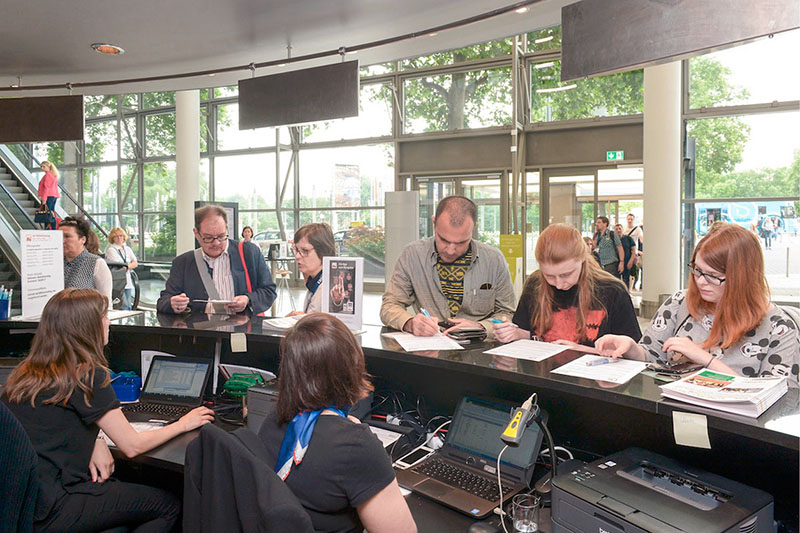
<point>726,392</point>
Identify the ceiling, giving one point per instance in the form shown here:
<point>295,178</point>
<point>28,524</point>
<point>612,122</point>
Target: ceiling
<point>48,41</point>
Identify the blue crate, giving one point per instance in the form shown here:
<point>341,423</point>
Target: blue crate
<point>127,386</point>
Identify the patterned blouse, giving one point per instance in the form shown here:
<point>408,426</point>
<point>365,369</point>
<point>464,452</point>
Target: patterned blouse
<point>772,348</point>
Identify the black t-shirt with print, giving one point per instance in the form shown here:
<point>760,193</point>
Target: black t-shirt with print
<point>616,315</point>
<point>63,437</point>
<point>344,467</point>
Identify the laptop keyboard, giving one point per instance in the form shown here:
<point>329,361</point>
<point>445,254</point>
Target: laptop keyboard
<point>464,479</point>
<point>159,409</point>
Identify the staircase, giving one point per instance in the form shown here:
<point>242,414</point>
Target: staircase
<point>25,199</point>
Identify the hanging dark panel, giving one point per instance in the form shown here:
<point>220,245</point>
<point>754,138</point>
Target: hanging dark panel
<point>49,118</point>
<point>308,95</point>
<point>604,36</point>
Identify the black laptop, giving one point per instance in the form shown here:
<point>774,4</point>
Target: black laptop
<point>462,474</point>
<point>173,387</point>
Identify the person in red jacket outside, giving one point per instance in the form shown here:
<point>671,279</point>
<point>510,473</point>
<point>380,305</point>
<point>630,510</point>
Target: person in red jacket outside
<point>48,190</point>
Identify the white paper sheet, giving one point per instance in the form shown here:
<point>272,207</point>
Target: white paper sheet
<point>147,358</point>
<point>412,343</point>
<point>528,350</point>
<point>620,372</point>
<point>386,437</point>
<point>279,324</point>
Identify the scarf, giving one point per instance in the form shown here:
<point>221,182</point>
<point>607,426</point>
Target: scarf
<point>297,437</point>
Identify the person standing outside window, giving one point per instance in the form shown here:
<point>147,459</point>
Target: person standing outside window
<point>629,247</point>
<point>48,190</point>
<point>609,248</point>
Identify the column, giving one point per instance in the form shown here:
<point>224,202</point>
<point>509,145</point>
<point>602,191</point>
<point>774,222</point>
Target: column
<point>662,183</point>
<point>187,157</point>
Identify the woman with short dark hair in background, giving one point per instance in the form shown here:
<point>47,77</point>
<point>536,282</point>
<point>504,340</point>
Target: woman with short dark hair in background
<point>335,466</point>
<point>311,243</point>
<point>61,394</point>
<point>247,234</point>
<point>724,320</point>
<point>82,269</point>
<point>569,299</point>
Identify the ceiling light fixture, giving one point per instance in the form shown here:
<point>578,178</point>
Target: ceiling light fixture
<point>543,40</point>
<point>556,89</point>
<point>521,10</point>
<point>107,49</point>
<point>544,65</point>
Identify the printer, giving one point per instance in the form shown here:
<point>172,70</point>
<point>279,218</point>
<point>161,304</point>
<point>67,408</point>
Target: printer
<point>636,490</point>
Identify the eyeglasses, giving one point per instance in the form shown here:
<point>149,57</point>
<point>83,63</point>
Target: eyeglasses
<point>294,250</point>
<point>208,239</point>
<point>696,272</point>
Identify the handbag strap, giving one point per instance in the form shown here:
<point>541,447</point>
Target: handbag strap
<point>244,265</point>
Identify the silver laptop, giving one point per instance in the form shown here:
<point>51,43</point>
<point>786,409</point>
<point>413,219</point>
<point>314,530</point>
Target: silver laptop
<point>462,474</point>
<point>173,387</point>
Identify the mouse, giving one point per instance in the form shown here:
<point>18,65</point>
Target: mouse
<point>483,527</point>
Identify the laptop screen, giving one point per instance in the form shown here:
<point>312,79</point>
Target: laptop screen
<point>181,379</point>
<point>476,429</point>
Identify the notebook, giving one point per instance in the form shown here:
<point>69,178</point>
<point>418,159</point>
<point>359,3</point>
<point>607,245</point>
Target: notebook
<point>462,474</point>
<point>173,387</point>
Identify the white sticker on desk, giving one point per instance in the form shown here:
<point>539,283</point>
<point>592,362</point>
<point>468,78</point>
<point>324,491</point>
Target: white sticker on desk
<point>238,342</point>
<point>691,429</point>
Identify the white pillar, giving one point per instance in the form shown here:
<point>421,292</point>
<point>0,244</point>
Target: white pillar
<point>187,157</point>
<point>662,183</point>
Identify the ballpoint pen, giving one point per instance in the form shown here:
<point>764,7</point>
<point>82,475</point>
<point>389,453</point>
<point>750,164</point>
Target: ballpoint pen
<point>603,361</point>
<point>498,321</point>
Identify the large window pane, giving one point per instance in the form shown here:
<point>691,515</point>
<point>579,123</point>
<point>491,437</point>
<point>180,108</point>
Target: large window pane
<point>353,176</point>
<point>230,137</point>
<point>759,72</point>
<point>602,96</point>
<point>98,106</point>
<point>532,214</point>
<point>162,99</point>
<point>100,143</point>
<point>377,69</point>
<point>479,51</point>
<point>129,192</point>
<point>160,134</point>
<point>159,237</point>
<point>443,102</point>
<point>546,39</point>
<point>130,223</point>
<point>246,179</point>
<point>747,156</point>
<point>374,118</point>
<point>100,189</point>
<point>159,186</point>
<point>128,138</point>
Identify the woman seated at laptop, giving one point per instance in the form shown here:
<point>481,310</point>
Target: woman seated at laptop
<point>570,299</point>
<point>724,321</point>
<point>61,393</point>
<point>335,466</point>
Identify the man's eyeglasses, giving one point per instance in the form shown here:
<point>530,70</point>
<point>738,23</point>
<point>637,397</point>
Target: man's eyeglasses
<point>294,250</point>
<point>713,280</point>
<point>208,239</point>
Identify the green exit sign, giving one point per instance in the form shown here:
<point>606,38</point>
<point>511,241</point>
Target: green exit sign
<point>618,155</point>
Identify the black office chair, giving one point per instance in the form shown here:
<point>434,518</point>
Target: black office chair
<point>229,486</point>
<point>18,485</point>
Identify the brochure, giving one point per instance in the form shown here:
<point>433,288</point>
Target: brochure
<point>726,392</point>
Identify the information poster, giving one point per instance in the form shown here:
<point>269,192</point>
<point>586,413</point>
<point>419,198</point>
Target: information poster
<point>42,269</point>
<point>512,247</point>
<point>343,288</point>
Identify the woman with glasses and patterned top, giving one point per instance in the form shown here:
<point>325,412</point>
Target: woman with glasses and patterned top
<point>724,321</point>
<point>83,270</point>
<point>312,242</point>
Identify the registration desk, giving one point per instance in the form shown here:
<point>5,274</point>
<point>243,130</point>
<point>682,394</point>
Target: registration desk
<point>589,417</point>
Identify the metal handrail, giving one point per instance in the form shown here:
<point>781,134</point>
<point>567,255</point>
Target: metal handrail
<point>17,204</point>
<point>97,227</point>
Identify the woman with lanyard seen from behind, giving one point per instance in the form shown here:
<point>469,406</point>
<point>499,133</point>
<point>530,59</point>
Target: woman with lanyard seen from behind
<point>311,243</point>
<point>335,466</point>
<point>61,394</point>
<point>119,253</point>
<point>570,299</point>
<point>724,320</point>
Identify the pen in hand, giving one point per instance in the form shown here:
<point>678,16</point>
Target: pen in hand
<point>498,321</point>
<point>603,361</point>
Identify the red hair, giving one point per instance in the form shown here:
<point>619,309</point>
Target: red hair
<point>736,253</point>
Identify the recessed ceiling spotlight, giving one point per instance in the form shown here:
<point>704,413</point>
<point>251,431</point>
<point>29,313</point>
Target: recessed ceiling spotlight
<point>433,34</point>
<point>107,49</point>
<point>282,65</point>
<point>521,10</point>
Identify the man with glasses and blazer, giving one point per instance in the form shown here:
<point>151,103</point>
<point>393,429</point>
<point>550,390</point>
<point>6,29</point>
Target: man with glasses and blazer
<point>221,269</point>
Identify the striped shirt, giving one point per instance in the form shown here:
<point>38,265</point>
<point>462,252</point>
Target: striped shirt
<point>221,275</point>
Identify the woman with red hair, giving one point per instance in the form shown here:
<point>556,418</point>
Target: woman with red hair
<point>724,320</point>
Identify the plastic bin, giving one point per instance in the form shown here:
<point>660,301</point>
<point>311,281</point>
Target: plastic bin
<point>127,386</point>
